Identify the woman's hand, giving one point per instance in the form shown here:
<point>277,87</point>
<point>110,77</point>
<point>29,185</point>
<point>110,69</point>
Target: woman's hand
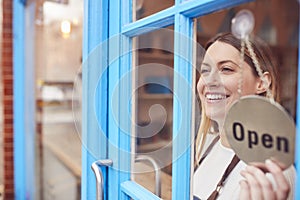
<point>257,186</point>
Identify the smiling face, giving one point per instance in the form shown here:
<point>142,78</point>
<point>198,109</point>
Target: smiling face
<point>219,80</point>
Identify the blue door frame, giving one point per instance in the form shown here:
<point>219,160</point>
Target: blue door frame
<point>95,34</point>
<point>24,99</point>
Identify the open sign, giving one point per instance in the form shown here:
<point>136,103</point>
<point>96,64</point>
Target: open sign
<point>280,143</point>
<point>258,129</point>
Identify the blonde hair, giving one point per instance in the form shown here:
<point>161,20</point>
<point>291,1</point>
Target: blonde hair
<point>201,135</point>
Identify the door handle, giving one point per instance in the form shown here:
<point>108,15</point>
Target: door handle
<point>99,176</point>
<point>156,169</point>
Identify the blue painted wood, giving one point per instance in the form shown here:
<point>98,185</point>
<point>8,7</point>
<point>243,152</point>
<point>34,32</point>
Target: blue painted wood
<point>182,108</point>
<point>23,2</point>
<point>118,102</point>
<point>177,2</point>
<point>195,8</point>
<point>19,103</point>
<point>94,87</point>
<point>95,29</point>
<point>114,98</point>
<point>164,18</point>
<point>24,100</point>
<point>161,19</point>
<point>126,12</point>
<point>297,145</point>
<point>125,83</point>
<point>137,192</point>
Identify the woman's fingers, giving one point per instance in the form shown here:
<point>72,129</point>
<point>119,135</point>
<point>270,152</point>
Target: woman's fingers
<point>259,184</point>
<point>283,188</point>
<point>245,190</point>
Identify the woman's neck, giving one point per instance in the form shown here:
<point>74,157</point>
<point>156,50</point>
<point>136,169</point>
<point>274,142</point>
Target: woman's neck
<point>223,137</point>
<point>224,140</point>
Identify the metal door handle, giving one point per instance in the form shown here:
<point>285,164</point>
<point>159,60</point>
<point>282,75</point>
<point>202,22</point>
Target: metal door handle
<point>156,169</point>
<point>99,177</point>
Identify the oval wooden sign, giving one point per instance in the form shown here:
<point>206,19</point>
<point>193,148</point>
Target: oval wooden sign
<point>258,129</point>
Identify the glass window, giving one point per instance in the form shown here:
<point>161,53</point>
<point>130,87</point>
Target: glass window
<point>271,26</point>
<point>276,23</point>
<point>153,72</point>
<point>144,8</point>
<point>58,60</point>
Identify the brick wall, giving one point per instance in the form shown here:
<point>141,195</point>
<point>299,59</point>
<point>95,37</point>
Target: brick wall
<point>7,80</point>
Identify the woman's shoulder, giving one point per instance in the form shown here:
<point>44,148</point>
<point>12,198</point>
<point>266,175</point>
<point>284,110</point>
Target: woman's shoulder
<point>209,138</point>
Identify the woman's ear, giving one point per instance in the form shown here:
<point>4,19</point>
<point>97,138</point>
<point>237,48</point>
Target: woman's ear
<point>262,86</point>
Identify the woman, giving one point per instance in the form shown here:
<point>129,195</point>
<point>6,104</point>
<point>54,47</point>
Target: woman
<point>219,86</point>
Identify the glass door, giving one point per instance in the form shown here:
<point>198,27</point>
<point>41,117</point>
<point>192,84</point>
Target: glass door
<point>139,104</point>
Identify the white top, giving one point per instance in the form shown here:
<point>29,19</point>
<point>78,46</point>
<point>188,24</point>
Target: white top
<point>212,168</point>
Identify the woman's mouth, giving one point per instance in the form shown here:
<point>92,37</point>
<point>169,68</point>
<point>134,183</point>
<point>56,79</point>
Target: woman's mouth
<point>215,97</point>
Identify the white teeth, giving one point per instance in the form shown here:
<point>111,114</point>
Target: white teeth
<point>215,96</point>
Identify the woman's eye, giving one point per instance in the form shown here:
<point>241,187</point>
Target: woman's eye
<point>205,68</point>
<point>227,69</point>
<point>204,71</point>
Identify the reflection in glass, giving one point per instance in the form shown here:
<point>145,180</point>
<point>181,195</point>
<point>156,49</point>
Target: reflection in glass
<point>271,27</point>
<point>278,29</point>
<point>153,86</point>
<point>144,8</point>
<point>58,33</point>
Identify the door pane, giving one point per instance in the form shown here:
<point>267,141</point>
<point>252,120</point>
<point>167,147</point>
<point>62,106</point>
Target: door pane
<point>278,29</point>
<point>58,60</point>
<point>144,8</point>
<point>276,22</point>
<point>153,72</point>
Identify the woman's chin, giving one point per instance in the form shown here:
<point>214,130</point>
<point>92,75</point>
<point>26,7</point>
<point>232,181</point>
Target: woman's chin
<point>219,118</point>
